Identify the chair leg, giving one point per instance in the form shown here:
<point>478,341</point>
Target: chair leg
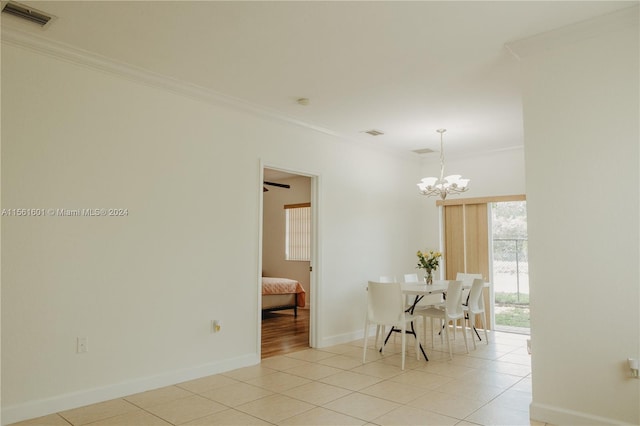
<point>424,329</point>
<point>484,325</point>
<point>446,336</point>
<point>375,340</point>
<point>404,342</point>
<point>364,345</point>
<point>383,333</point>
<point>417,347</point>
<point>432,342</point>
<point>464,335</point>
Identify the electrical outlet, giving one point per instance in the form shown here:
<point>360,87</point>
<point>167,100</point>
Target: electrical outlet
<point>82,345</point>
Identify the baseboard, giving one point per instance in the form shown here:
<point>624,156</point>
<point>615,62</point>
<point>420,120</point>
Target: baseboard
<point>560,416</point>
<point>43,407</point>
<point>339,339</point>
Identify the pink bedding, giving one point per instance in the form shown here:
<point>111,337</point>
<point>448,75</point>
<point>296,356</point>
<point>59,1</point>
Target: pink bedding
<point>271,285</point>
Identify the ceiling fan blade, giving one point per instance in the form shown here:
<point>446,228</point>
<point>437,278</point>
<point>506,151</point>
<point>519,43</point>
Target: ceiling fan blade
<point>279,185</point>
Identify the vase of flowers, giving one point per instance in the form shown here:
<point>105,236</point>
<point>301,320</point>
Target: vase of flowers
<point>429,261</point>
<point>428,278</point>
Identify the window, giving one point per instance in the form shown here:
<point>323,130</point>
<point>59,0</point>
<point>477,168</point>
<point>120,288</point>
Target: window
<point>298,232</point>
<point>510,266</point>
<point>467,239</point>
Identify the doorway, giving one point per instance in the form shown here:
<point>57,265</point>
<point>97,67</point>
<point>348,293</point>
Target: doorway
<point>285,322</point>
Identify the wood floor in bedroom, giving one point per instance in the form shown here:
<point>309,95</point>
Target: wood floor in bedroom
<point>283,333</point>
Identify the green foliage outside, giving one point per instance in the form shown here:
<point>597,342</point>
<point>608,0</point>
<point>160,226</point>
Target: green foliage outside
<point>511,299</point>
<point>514,317</point>
<point>510,311</point>
<point>509,220</point>
<point>509,233</point>
<point>510,255</point>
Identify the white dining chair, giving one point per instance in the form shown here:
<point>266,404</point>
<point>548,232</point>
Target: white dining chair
<point>449,312</point>
<point>380,329</point>
<point>475,307</point>
<point>411,278</point>
<point>427,300</point>
<point>385,306</point>
<point>467,280</point>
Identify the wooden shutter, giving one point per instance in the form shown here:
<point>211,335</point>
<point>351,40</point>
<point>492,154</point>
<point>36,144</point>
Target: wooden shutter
<point>466,240</point>
<point>453,241</point>
<point>466,245</point>
<point>476,239</point>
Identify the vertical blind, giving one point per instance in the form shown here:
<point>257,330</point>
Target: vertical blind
<point>467,245</point>
<point>466,238</point>
<point>298,231</point>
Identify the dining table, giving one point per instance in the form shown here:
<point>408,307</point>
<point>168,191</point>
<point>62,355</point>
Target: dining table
<point>420,290</point>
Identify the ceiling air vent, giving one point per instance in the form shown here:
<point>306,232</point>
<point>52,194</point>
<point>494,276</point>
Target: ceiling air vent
<point>27,13</point>
<point>374,132</point>
<point>423,151</point>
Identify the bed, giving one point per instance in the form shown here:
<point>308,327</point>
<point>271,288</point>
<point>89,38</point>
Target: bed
<point>282,293</point>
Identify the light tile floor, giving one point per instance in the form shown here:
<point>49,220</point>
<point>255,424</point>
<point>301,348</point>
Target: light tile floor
<point>331,386</point>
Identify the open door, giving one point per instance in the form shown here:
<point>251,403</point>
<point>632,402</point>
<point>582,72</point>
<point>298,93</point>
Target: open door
<point>287,251</point>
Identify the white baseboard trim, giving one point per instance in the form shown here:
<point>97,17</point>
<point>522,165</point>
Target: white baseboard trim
<point>339,339</point>
<point>561,416</point>
<point>43,407</point>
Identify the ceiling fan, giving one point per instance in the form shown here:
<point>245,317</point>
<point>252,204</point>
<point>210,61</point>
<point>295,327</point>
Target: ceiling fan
<point>279,185</point>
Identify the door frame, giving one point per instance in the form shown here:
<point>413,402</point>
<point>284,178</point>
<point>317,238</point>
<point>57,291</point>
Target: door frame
<point>314,274</point>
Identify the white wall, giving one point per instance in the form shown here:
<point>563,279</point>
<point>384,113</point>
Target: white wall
<point>582,159</point>
<point>274,232</point>
<point>143,288</point>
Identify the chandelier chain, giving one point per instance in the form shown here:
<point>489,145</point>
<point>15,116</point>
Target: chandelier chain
<point>441,131</point>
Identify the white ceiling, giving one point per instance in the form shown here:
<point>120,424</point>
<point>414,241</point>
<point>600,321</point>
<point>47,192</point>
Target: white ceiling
<point>404,68</point>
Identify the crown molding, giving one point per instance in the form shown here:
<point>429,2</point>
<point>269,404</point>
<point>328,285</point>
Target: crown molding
<point>627,17</point>
<point>80,57</point>
<point>65,52</point>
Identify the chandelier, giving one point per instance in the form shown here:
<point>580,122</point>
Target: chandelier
<point>443,186</point>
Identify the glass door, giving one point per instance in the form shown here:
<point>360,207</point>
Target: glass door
<point>510,266</point>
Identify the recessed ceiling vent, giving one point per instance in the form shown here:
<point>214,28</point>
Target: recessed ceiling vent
<point>423,151</point>
<point>374,132</point>
<point>27,13</point>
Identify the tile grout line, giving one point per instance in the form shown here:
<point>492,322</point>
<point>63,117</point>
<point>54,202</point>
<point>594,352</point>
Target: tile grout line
<point>508,351</point>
